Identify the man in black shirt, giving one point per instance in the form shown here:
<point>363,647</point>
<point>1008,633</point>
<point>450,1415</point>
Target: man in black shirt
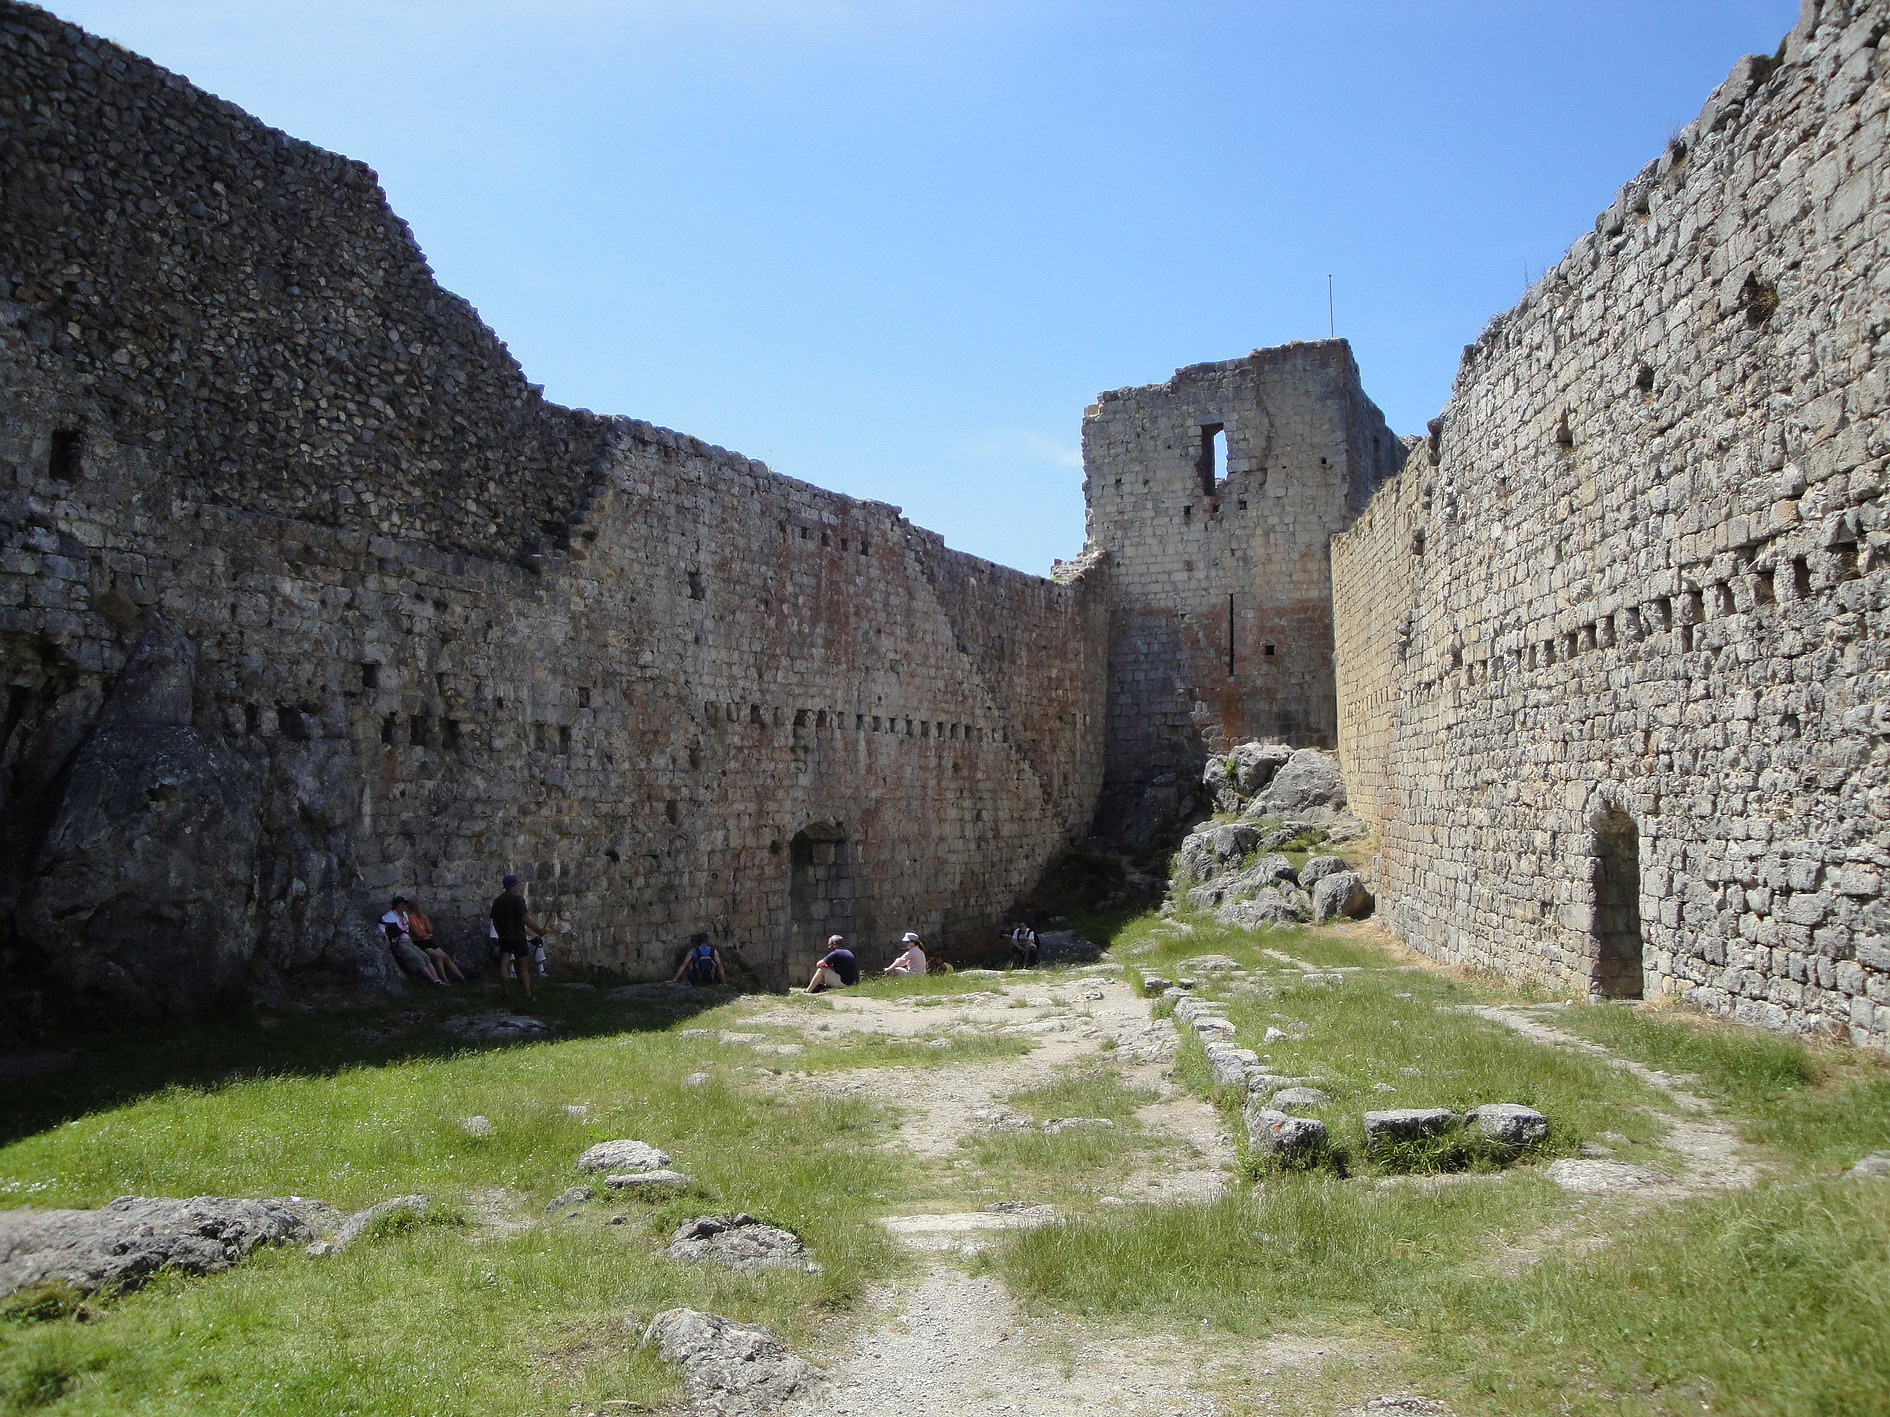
<point>838,964</point>
<point>515,929</point>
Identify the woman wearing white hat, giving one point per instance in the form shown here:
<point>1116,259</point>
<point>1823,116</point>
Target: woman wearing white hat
<point>913,960</point>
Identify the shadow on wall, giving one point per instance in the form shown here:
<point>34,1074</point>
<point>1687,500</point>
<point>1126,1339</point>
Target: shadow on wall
<point>823,899</point>
<point>1617,882</point>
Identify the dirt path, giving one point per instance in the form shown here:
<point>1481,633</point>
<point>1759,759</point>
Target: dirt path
<point>955,1342</point>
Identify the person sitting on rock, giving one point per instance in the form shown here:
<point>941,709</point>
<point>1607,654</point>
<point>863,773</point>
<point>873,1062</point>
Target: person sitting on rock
<point>702,962</point>
<point>912,961</point>
<point>420,929</point>
<point>1023,946</point>
<point>396,926</point>
<point>837,967</point>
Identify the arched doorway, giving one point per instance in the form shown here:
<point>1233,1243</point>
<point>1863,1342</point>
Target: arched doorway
<point>821,898</point>
<point>1617,880</point>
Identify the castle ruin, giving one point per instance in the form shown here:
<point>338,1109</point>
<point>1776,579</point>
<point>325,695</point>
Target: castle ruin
<point>307,595</point>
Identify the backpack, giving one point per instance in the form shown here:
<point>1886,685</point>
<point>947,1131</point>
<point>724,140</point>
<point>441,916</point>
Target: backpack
<point>702,964</point>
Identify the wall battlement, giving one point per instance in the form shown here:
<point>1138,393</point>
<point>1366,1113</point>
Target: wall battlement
<point>1610,671</point>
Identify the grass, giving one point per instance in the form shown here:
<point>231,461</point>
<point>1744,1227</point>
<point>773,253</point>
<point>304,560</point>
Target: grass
<point>1819,1108</point>
<point>1070,1166</point>
<point>432,1317</point>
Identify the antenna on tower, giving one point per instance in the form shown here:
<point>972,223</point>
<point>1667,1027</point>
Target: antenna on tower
<point>1332,325</point>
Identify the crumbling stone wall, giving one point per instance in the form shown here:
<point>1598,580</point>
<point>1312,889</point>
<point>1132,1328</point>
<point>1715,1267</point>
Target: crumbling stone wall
<point>1221,628</point>
<point>1613,658</point>
<point>306,596</point>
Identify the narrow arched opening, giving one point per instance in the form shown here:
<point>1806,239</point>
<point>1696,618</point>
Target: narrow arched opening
<point>820,893</point>
<point>1617,881</point>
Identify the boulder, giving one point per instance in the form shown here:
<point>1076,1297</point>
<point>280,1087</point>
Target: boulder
<point>1308,787</point>
<point>1065,947</point>
<point>1341,893</point>
<point>1229,780</point>
<point>1317,868</point>
<point>1290,1098</point>
<point>121,1245</point>
<point>647,1181</point>
<point>741,1243</point>
<point>497,1025</point>
<point>1272,1133</point>
<point>1276,906</point>
<point>1407,1124</point>
<point>1263,1084</point>
<point>356,1225</point>
<point>728,1368</point>
<point>622,1156</point>
<point>1269,872</point>
<point>575,1196</point>
<point>1217,1029</point>
<point>1876,1165</point>
<point>1211,964</point>
<point>1509,1122</point>
<point>1230,1065</point>
<point>1213,850</point>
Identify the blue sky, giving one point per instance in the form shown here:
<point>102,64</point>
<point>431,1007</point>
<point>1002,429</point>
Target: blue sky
<point>894,247</point>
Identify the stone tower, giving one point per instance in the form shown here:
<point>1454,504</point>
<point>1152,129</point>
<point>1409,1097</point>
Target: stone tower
<point>1216,495</point>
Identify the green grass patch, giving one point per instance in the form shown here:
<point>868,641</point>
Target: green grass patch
<point>438,1312</point>
<point>1822,1107</point>
<point>1773,1302</point>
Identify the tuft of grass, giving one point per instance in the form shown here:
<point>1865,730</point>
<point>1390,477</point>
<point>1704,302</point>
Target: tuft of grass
<point>1821,1108</point>
<point>41,1303</point>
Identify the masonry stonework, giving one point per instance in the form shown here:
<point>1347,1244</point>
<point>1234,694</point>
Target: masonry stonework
<point>1612,670</point>
<point>1215,497</point>
<point>306,596</point>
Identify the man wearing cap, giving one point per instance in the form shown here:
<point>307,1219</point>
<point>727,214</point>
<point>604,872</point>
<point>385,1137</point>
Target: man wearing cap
<point>912,961</point>
<point>514,928</point>
<point>836,966</point>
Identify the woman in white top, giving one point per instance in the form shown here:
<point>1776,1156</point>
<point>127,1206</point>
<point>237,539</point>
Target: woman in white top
<point>912,961</point>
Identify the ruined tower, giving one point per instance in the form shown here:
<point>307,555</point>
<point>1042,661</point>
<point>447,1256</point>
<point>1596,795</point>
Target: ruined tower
<point>1216,495</point>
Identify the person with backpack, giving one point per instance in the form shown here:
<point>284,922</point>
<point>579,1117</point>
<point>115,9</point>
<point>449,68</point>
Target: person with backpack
<point>702,962</point>
<point>1023,946</point>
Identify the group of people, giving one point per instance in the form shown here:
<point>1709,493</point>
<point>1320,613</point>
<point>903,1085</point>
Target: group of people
<point>517,946</point>
<point>838,967</point>
<point>517,941</point>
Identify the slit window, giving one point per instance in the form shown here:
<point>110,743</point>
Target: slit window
<point>68,450</point>
<point>1210,459</point>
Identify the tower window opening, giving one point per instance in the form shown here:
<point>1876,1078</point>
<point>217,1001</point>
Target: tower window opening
<point>1210,461</point>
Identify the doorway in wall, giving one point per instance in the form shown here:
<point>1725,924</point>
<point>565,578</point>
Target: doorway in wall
<point>820,894</point>
<point>1617,878</point>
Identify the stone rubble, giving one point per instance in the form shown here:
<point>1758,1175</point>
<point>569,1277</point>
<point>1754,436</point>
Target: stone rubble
<point>121,1245</point>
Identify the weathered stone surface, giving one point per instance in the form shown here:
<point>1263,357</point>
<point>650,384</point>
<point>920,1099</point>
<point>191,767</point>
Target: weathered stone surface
<point>477,1126</point>
<point>1674,616</point>
<point>1056,1126</point>
<point>1211,850</point>
<point>1272,906</point>
<point>1268,873</point>
<point>1318,868</point>
<point>622,1155</point>
<point>1230,1065</point>
<point>1065,947</point>
<point>647,1181</point>
<point>1308,788</point>
<point>1508,1122</point>
<point>356,1225</point>
<point>1407,1124</point>
<point>1290,1098</point>
<point>1342,893</point>
<point>1270,1131</point>
<point>1876,1166</point>
<point>739,1242</point>
<point>1574,1174</point>
<point>732,1369</point>
<point>1218,1029</point>
<point>121,1245</point>
<point>497,1025</point>
<point>569,1198</point>
<point>1211,964</point>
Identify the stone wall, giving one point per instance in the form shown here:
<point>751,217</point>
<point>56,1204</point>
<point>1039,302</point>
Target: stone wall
<point>1221,626</point>
<point>1613,675</point>
<point>306,596</point>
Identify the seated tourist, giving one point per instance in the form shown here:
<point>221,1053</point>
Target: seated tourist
<point>912,961</point>
<point>836,968</point>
